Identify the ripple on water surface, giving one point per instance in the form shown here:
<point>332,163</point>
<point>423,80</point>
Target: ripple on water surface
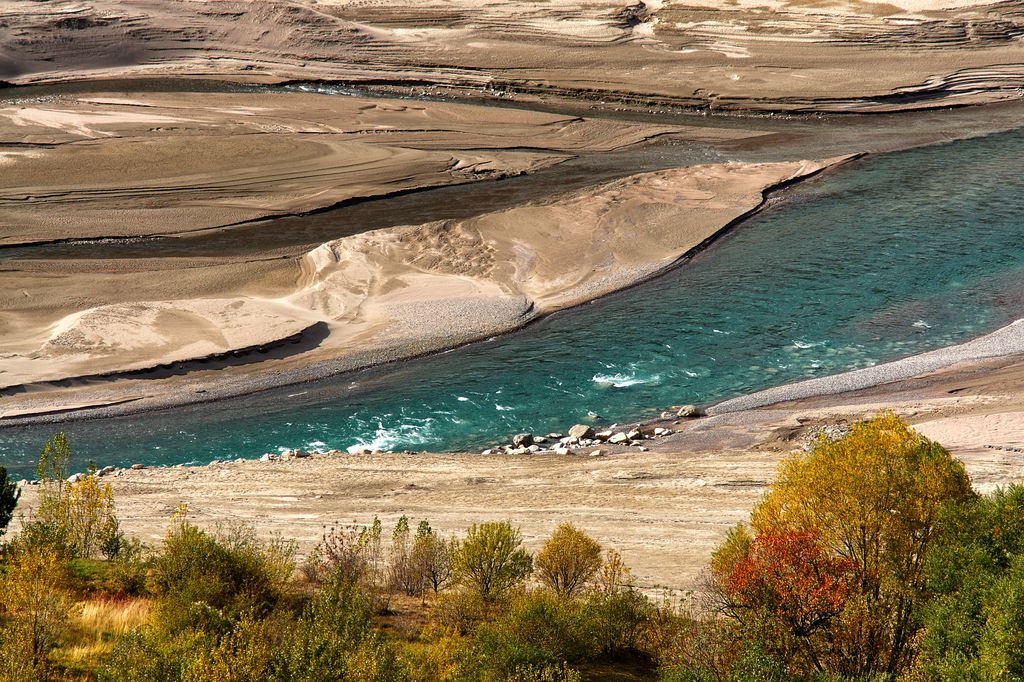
<point>900,254</point>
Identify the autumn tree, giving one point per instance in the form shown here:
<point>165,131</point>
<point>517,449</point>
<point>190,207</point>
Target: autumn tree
<point>614,575</point>
<point>432,558</point>
<point>35,608</point>
<point>491,560</point>
<point>74,514</point>
<point>790,593</point>
<point>568,560</point>
<point>870,500</point>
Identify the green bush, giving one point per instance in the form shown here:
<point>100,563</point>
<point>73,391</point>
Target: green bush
<point>973,628</point>
<point>207,582</point>
<point>491,560</point>
<point>334,639</point>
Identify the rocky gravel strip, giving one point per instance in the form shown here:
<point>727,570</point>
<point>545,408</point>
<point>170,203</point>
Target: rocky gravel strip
<point>1008,340</point>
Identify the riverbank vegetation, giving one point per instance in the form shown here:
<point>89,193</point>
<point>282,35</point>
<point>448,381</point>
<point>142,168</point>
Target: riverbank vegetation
<point>870,557</point>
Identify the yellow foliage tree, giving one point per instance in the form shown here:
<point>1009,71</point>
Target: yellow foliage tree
<point>35,607</point>
<point>872,498</point>
<point>568,560</point>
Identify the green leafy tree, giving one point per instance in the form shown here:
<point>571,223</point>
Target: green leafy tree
<point>491,560</point>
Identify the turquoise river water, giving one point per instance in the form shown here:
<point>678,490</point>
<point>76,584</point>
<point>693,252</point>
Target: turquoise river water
<point>899,254</point>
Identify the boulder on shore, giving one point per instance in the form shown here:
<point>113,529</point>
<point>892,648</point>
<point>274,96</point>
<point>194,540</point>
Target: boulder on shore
<point>690,412</point>
<point>581,431</point>
<point>522,440</point>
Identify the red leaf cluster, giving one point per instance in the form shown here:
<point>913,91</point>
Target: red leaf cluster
<point>787,575</point>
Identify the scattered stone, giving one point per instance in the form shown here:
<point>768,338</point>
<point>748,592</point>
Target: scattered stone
<point>690,412</point>
<point>642,449</point>
<point>581,431</point>
<point>659,431</point>
<point>597,453</point>
<point>140,467</point>
<point>667,415</point>
<point>634,434</point>
<point>562,451</point>
<point>105,470</point>
<point>554,435</point>
<point>540,439</point>
<point>831,433</point>
<point>488,451</point>
<point>75,478</point>
<point>604,435</point>
<point>522,439</point>
<point>619,437</point>
<point>533,448</point>
<point>268,457</point>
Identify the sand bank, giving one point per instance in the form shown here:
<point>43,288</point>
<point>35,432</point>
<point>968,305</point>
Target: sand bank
<point>852,55</point>
<point>383,295</point>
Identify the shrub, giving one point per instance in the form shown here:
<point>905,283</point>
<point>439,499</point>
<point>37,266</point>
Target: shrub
<point>208,582</point>
<point>129,568</point>
<point>334,639</point>
<point>569,559</point>
<point>338,555</point>
<point>976,572</point>
<point>491,560</point>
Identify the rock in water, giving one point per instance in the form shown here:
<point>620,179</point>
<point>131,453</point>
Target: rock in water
<point>522,440</point>
<point>581,431</point>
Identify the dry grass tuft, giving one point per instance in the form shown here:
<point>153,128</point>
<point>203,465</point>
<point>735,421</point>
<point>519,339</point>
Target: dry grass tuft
<point>96,626</point>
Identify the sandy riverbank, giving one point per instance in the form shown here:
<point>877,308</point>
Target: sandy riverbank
<point>851,55</point>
